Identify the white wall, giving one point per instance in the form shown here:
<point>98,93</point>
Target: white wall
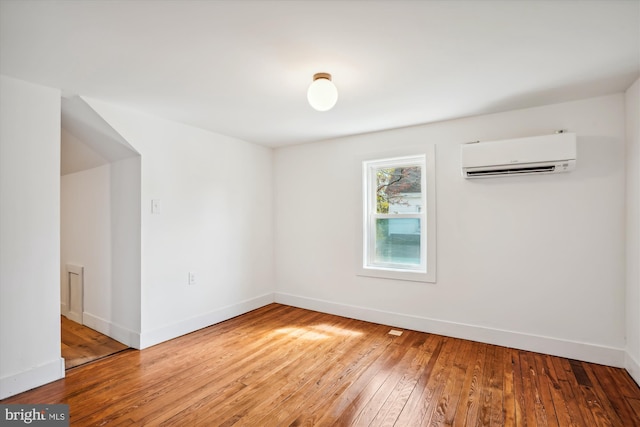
<point>85,236</point>
<point>76,156</point>
<point>632,363</point>
<point>124,323</point>
<point>531,262</point>
<point>100,230</point>
<point>30,230</point>
<point>215,219</point>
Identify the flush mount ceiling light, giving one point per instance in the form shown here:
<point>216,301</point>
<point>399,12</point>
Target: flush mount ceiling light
<point>322,93</point>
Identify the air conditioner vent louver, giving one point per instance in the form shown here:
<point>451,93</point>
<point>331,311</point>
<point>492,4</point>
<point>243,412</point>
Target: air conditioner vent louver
<point>535,169</point>
<point>535,155</point>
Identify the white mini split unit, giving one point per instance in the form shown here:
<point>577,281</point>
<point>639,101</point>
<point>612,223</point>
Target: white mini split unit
<point>524,156</point>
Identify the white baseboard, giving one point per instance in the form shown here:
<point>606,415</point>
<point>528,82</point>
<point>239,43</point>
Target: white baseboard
<point>112,330</point>
<point>35,377</point>
<point>633,367</point>
<point>570,349</point>
<point>156,336</point>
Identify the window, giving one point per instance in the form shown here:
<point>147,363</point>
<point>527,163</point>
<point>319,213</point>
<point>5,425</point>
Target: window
<point>399,218</point>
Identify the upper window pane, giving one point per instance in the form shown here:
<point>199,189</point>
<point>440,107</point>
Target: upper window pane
<point>398,190</point>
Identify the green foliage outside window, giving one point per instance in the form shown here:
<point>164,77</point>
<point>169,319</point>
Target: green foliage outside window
<point>392,182</point>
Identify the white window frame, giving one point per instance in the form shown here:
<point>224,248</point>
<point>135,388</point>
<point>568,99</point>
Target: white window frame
<point>425,271</point>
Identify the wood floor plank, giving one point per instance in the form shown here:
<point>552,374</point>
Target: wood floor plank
<point>395,405</point>
<point>543,384</point>
<point>496,382</point>
<point>535,414</point>
<point>451,397</point>
<point>614,393</point>
<point>435,387</point>
<point>81,344</point>
<point>337,370</point>
<point>244,366</point>
<point>524,417</point>
<point>566,409</point>
<point>572,391</point>
<point>390,380</point>
<point>437,399</point>
<point>602,400</point>
<point>468,407</point>
<point>334,385</point>
<point>627,385</point>
<point>512,414</point>
<point>295,378</point>
<point>284,366</point>
<point>491,390</point>
<point>395,402</point>
<point>361,409</point>
<point>207,364</point>
<point>635,404</point>
<point>412,412</point>
<point>345,400</point>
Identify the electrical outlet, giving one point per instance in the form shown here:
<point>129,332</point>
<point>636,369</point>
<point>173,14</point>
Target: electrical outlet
<point>192,278</point>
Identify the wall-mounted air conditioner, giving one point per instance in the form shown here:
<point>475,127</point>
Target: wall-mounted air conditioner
<point>524,156</point>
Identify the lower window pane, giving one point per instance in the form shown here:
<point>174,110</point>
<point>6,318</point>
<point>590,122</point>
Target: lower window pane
<point>398,241</point>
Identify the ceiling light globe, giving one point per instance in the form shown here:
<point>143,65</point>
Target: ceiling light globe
<point>322,94</point>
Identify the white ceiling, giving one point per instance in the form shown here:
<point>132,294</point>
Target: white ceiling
<point>241,68</point>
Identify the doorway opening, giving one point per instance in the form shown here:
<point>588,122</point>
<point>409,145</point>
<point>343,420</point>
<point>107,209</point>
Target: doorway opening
<point>99,237</point>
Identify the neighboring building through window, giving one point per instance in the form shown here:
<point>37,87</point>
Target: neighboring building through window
<point>396,216</point>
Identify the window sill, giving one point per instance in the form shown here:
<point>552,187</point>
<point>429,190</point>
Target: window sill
<point>396,274</point>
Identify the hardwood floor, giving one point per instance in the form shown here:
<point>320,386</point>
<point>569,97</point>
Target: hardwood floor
<point>82,345</point>
<point>284,366</point>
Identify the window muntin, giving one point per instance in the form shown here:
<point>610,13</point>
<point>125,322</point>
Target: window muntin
<point>395,214</point>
